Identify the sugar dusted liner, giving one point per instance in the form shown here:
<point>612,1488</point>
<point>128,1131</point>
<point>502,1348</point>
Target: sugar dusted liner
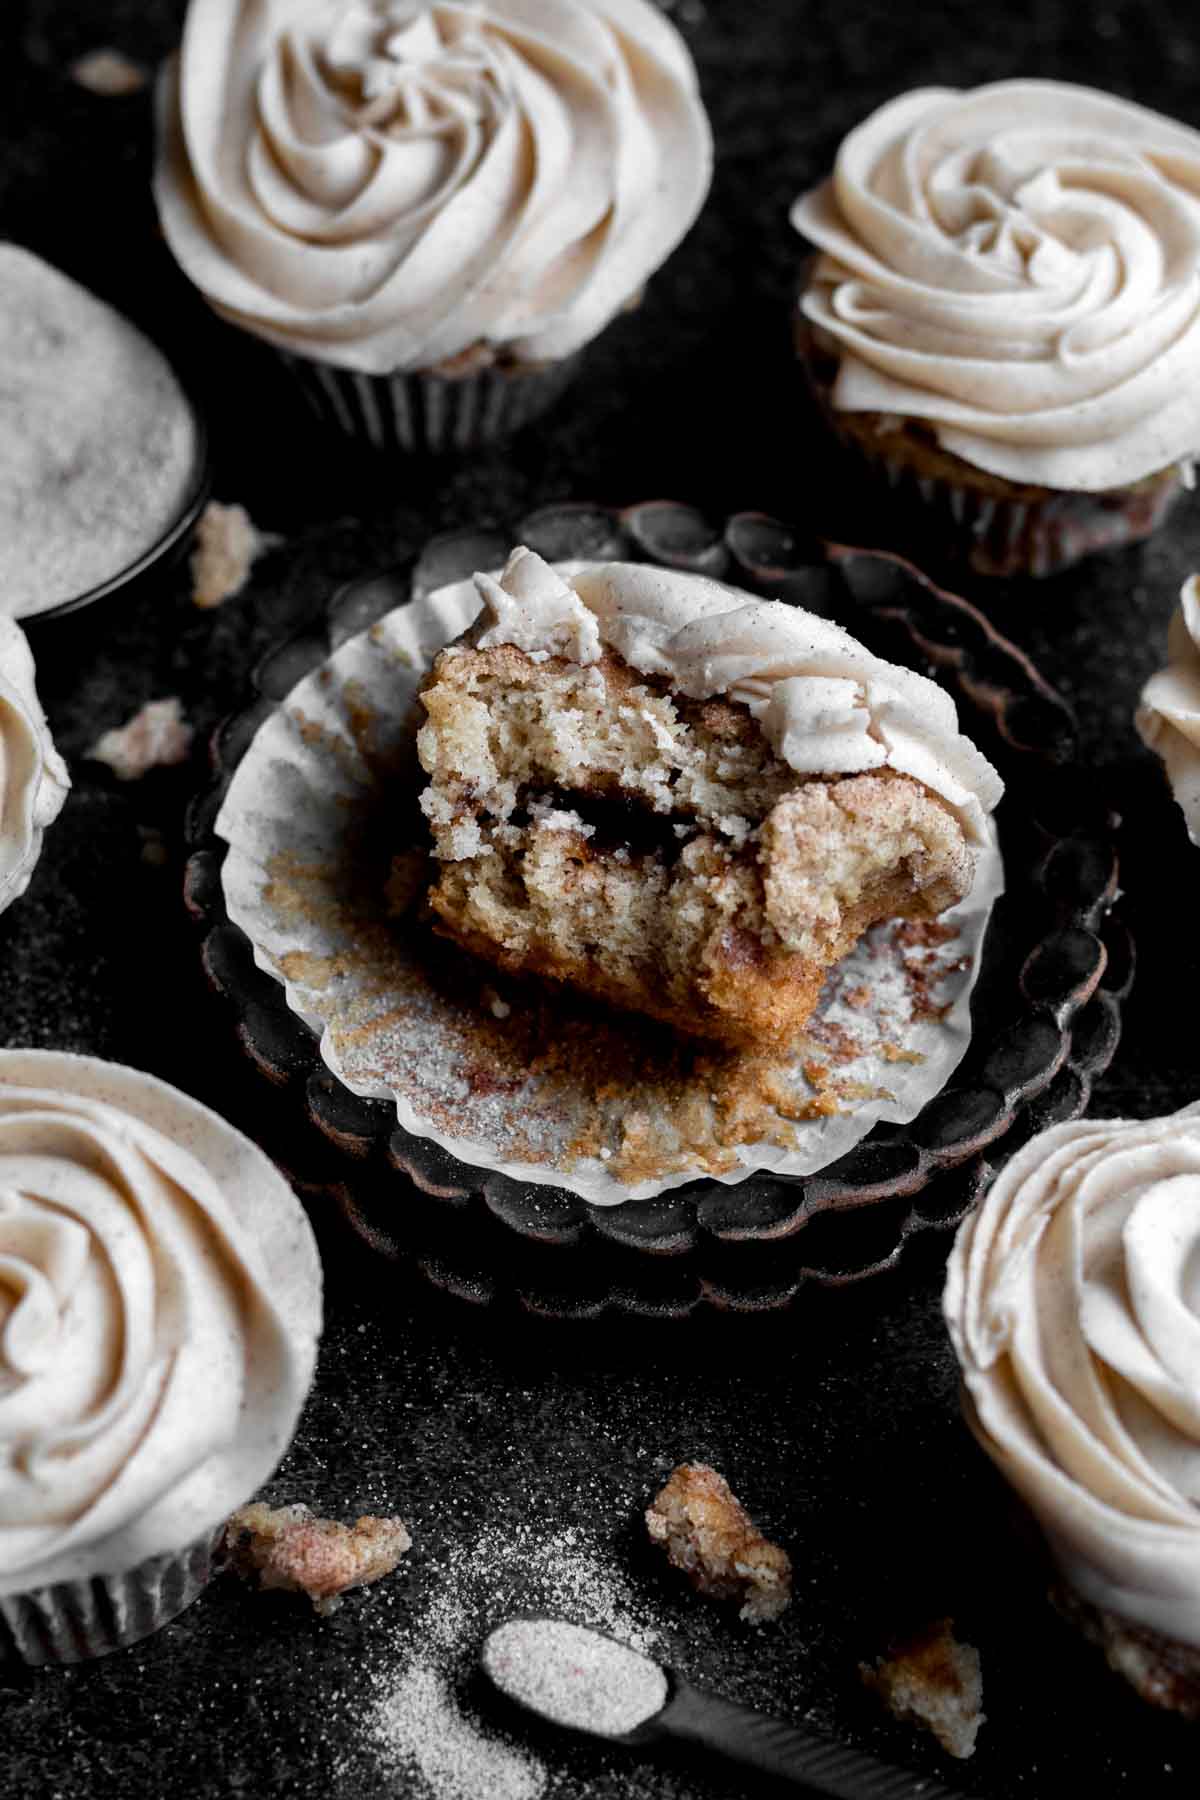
<point>295,802</point>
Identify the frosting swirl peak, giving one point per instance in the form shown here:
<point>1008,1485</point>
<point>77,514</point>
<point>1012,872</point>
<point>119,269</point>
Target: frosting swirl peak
<point>1018,265</point>
<point>1073,1302</point>
<point>386,184</point>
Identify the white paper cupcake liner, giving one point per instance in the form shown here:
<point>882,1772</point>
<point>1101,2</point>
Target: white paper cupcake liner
<point>322,801</point>
<point>73,1621</point>
<point>427,412</point>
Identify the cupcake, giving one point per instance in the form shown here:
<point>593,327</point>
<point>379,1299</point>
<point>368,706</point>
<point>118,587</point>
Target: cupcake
<point>101,453</point>
<point>684,801</point>
<point>428,209</point>
<point>1074,1308</point>
<point>1169,715</point>
<point>1003,322</point>
<point>33,776</point>
<point>158,1327</point>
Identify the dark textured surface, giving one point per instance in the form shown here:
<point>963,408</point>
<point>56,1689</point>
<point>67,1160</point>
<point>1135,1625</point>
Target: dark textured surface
<point>837,1424</point>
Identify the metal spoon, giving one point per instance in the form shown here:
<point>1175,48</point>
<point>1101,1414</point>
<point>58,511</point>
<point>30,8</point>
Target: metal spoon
<point>589,1682</point>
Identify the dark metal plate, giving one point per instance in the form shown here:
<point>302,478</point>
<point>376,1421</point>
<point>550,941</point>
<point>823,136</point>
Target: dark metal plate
<point>1046,1010</point>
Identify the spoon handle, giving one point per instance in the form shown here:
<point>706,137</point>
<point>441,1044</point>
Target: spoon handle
<point>814,1762</point>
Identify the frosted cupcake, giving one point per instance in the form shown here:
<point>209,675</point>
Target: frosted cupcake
<point>33,776</point>
<point>429,209</point>
<point>1073,1302</point>
<point>1004,320</point>
<point>158,1325</point>
<point>1169,715</point>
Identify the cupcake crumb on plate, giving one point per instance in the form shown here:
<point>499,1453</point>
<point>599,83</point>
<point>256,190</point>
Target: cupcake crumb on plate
<point>228,543</point>
<point>707,1534</point>
<point>108,73</point>
<point>933,1680</point>
<point>289,1549</point>
<point>157,736</point>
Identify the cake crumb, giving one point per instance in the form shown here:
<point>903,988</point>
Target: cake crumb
<point>708,1535</point>
<point>157,736</point>
<point>933,1680</point>
<point>288,1548</point>
<point>227,545</point>
<point>108,73</point>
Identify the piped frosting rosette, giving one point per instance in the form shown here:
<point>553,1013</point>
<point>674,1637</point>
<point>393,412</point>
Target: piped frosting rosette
<point>1073,1302</point>
<point>1019,266</point>
<point>159,1312</point>
<point>33,776</point>
<point>1169,715</point>
<point>385,184</point>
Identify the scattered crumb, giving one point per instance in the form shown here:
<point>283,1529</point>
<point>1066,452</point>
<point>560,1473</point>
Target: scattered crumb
<point>286,1547</point>
<point>109,73</point>
<point>499,1009</point>
<point>155,737</point>
<point>858,997</point>
<point>933,1680</point>
<point>706,1533</point>
<point>154,849</point>
<point>227,544</point>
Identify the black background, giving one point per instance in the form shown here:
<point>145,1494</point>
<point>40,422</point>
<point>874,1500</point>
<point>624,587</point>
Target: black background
<point>837,1422</point>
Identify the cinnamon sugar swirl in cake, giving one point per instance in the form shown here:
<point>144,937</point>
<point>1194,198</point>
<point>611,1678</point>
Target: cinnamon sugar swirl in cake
<point>684,801</point>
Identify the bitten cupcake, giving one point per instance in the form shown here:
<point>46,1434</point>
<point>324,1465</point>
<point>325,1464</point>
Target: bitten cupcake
<point>33,776</point>
<point>1169,715</point>
<point>1073,1302</point>
<point>159,1314</point>
<point>1004,320</point>
<point>429,208</point>
<point>684,801</point>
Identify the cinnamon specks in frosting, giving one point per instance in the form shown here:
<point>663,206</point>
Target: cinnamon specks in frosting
<point>1018,265</point>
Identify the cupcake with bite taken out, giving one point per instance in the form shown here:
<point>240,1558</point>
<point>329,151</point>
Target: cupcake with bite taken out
<point>1003,321</point>
<point>428,209</point>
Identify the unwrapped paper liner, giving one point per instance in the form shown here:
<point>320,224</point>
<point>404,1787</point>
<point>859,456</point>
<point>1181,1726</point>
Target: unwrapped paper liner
<point>296,822</point>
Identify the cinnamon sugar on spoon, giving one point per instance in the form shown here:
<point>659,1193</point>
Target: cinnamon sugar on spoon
<point>707,1533</point>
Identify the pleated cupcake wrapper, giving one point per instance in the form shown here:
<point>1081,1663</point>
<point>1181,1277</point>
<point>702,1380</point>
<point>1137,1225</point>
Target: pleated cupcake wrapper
<point>387,1031</point>
<point>427,412</point>
<point>72,1621</point>
<point>1020,537</point>
<point>1001,536</point>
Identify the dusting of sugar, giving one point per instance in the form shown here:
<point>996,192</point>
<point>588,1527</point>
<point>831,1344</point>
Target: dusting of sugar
<point>419,1722</point>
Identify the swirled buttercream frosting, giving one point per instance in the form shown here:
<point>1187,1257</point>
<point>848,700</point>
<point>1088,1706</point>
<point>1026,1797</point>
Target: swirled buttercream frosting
<point>1073,1302</point>
<point>33,776</point>
<point>159,1309</point>
<point>826,705</point>
<point>385,184</point>
<point>1169,715</point>
<point>1018,266</point>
